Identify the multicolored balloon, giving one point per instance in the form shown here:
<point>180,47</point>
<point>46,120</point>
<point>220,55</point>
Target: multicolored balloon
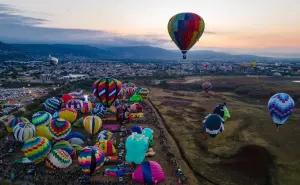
<point>79,122</point>
<point>213,125</point>
<point>86,107</point>
<point>24,131</point>
<point>107,147</point>
<point>68,114</point>
<point>10,126</point>
<point>92,124</point>
<point>52,105</point>
<point>149,172</point>
<point>136,108</point>
<point>144,92</point>
<point>59,128</point>
<point>91,159</point>
<point>41,118</point>
<point>58,159</point>
<point>107,90</point>
<point>66,146</point>
<point>106,135</point>
<point>75,138</point>
<point>185,29</point>
<point>99,110</point>
<point>36,149</point>
<point>222,111</point>
<point>77,148</point>
<point>129,92</point>
<point>74,104</point>
<point>206,86</point>
<point>280,107</point>
<point>136,146</point>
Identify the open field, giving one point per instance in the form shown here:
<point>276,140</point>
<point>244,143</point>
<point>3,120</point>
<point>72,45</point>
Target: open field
<point>250,150</point>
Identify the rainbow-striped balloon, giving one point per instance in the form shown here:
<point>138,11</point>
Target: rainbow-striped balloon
<point>280,107</point>
<point>59,128</point>
<point>41,118</point>
<point>58,159</point>
<point>10,126</point>
<point>92,124</point>
<point>91,159</point>
<point>66,146</point>
<point>36,149</point>
<point>106,90</point>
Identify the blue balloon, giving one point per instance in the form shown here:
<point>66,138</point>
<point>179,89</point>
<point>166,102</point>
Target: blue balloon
<point>213,124</point>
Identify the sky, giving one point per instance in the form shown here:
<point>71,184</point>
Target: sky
<point>242,26</point>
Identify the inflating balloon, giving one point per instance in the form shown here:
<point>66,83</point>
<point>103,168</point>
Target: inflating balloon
<point>280,107</point>
<point>144,92</point>
<point>24,131</point>
<point>75,104</point>
<point>66,98</point>
<point>41,118</point>
<point>106,135</point>
<point>43,131</point>
<point>68,114</point>
<point>185,29</point>
<point>206,87</point>
<point>129,92</point>
<point>66,146</point>
<point>55,115</point>
<point>59,128</point>
<point>86,107</point>
<point>99,110</point>
<point>136,146</point>
<point>222,111</point>
<point>75,138</point>
<point>36,149</point>
<point>77,148</point>
<point>58,159</point>
<point>130,84</point>
<point>136,108</point>
<point>136,98</point>
<point>10,126</point>
<point>213,125</point>
<point>79,122</point>
<point>91,159</point>
<point>92,124</point>
<point>107,90</point>
<point>148,132</point>
<point>52,105</point>
<point>107,147</point>
<point>149,172</point>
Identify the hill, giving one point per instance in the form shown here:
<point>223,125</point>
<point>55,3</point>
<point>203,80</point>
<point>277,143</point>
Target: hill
<point>9,52</point>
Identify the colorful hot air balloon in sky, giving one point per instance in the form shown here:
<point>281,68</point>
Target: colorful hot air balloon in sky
<point>206,86</point>
<point>58,159</point>
<point>280,107</point>
<point>213,125</point>
<point>149,172</point>
<point>36,149</point>
<point>91,159</point>
<point>24,131</point>
<point>41,118</point>
<point>92,124</point>
<point>222,111</point>
<point>10,126</point>
<point>106,90</point>
<point>185,29</point>
<point>59,128</point>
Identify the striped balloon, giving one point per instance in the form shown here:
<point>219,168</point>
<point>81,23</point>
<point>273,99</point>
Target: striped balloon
<point>99,110</point>
<point>58,159</point>
<point>91,159</point>
<point>59,128</point>
<point>68,114</point>
<point>206,86</point>
<point>107,147</point>
<point>36,149</point>
<point>77,148</point>
<point>280,107</point>
<point>10,126</point>
<point>121,93</point>
<point>74,104</point>
<point>55,115</point>
<point>106,135</point>
<point>107,90</point>
<point>129,92</point>
<point>86,107</point>
<point>66,146</point>
<point>52,105</point>
<point>24,131</point>
<point>92,124</point>
<point>41,118</point>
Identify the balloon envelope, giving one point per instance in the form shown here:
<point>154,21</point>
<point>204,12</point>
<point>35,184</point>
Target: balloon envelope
<point>91,159</point>
<point>213,124</point>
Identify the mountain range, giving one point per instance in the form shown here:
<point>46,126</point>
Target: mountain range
<point>71,52</point>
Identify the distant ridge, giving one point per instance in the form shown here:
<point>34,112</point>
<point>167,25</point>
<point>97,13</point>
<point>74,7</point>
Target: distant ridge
<point>69,52</point>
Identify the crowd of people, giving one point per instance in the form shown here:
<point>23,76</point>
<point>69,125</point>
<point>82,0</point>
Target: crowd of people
<point>40,175</point>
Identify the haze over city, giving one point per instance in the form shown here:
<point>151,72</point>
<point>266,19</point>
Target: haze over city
<point>254,27</point>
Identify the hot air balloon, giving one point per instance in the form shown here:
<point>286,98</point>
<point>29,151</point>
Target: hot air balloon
<point>68,114</point>
<point>107,147</point>
<point>91,159</point>
<point>52,60</point>
<point>77,148</point>
<point>66,98</point>
<point>148,132</point>
<point>86,107</point>
<point>41,118</point>
<point>222,111</point>
<point>66,146</point>
<point>136,146</point>
<point>58,159</point>
<point>213,125</point>
<point>10,126</point>
<point>24,131</point>
<point>59,128</point>
<point>92,124</point>
<point>43,131</point>
<point>79,122</point>
<point>75,138</point>
<point>185,29</point>
<point>74,104</point>
<point>280,107</point>
<point>106,90</point>
<point>149,172</point>
<point>106,135</point>
<point>36,149</point>
<point>129,92</point>
<point>99,110</point>
<point>206,86</point>
<point>121,93</point>
<point>144,92</point>
<point>52,105</point>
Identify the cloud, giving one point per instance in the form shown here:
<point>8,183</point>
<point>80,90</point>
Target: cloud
<point>16,28</point>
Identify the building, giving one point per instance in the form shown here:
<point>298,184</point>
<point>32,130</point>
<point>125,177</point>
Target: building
<point>73,77</point>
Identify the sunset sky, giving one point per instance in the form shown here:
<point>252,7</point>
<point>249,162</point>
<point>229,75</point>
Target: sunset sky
<point>243,24</point>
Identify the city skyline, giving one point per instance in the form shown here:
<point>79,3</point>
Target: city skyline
<point>248,26</point>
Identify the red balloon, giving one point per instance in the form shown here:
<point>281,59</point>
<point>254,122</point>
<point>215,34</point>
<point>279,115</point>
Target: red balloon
<point>66,98</point>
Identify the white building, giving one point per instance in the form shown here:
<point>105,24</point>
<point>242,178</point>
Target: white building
<point>73,77</point>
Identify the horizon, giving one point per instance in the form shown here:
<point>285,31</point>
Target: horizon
<point>249,29</point>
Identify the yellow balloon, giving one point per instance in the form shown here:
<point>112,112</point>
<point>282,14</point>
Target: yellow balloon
<point>43,131</point>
